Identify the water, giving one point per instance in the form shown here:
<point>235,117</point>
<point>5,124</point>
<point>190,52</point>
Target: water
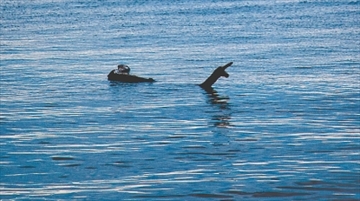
<point>284,126</point>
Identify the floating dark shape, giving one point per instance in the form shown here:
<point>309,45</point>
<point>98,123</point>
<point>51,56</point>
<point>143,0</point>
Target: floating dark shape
<point>122,75</point>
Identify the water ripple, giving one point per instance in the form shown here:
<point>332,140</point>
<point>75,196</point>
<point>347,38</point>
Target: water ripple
<point>284,125</point>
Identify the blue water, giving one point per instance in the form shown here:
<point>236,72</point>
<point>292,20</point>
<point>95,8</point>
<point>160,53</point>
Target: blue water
<point>284,126</point>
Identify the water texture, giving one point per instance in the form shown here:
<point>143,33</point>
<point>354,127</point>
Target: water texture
<point>284,126</point>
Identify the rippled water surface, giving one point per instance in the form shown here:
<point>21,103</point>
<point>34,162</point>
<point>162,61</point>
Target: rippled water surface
<point>284,126</point>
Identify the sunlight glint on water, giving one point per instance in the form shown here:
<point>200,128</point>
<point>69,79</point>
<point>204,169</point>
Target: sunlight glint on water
<point>283,126</point>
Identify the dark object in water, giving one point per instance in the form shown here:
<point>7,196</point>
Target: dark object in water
<point>122,75</point>
<point>218,72</point>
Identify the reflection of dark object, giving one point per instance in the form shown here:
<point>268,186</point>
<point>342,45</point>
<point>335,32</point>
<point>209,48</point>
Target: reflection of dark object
<point>122,75</point>
<point>216,99</point>
<point>221,121</point>
<point>222,118</point>
<point>219,72</point>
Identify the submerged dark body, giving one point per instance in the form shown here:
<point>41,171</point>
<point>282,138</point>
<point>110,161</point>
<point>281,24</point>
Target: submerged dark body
<point>124,77</point>
<point>127,78</point>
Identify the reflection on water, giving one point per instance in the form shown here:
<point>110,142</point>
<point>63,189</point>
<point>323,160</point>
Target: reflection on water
<point>177,141</point>
<point>283,126</point>
<point>222,119</point>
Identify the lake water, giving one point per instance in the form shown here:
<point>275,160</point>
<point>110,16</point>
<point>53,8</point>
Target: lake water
<point>284,126</point>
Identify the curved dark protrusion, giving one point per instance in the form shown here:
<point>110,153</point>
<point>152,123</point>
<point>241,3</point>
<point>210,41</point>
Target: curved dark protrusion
<point>218,72</point>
